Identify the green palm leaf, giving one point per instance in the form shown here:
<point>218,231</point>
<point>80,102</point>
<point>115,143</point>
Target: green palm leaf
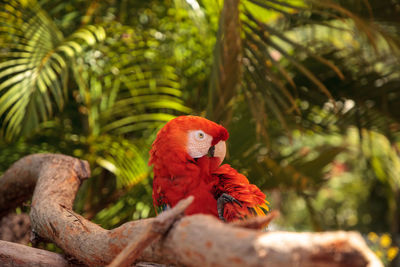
<point>126,92</point>
<point>33,65</point>
<point>125,159</point>
<point>270,48</point>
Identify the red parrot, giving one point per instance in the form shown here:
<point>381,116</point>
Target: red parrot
<point>186,155</point>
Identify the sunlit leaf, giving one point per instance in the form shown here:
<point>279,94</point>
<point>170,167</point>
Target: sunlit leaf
<point>33,65</point>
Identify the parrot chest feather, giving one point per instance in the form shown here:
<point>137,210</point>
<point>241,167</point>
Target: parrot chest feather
<point>170,189</point>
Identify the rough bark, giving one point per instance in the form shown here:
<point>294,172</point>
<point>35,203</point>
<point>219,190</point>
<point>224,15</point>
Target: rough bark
<point>19,188</point>
<point>153,231</point>
<point>15,228</point>
<point>197,240</point>
<point>12,254</point>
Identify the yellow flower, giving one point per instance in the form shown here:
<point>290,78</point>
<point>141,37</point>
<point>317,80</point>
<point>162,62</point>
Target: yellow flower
<point>385,240</point>
<point>373,237</point>
<point>379,254</point>
<point>392,252</point>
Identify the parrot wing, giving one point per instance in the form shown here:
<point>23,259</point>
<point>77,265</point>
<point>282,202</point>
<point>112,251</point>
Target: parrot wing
<point>253,202</point>
<point>160,201</point>
<point>168,191</point>
<point>161,208</point>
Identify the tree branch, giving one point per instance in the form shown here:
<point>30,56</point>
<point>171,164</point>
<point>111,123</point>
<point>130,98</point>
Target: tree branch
<point>197,240</point>
<point>12,254</point>
<point>154,230</point>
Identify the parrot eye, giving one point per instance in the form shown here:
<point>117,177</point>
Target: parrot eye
<point>200,135</point>
<point>198,143</point>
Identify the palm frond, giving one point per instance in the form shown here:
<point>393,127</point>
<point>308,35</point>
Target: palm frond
<point>126,92</point>
<point>273,41</point>
<point>369,104</point>
<point>33,65</point>
<point>300,163</point>
<point>300,173</point>
<point>125,159</point>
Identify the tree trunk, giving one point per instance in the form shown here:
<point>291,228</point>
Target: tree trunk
<point>198,240</point>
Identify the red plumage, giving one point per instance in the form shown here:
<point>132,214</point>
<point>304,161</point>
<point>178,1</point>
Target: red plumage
<point>178,175</point>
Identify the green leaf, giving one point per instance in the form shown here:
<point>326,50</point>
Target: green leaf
<point>34,64</point>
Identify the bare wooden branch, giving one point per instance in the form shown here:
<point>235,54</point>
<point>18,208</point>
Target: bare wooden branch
<point>13,255</point>
<point>155,229</point>
<point>197,240</point>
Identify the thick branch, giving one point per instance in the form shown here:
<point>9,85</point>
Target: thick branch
<point>12,254</point>
<point>193,241</point>
<point>154,230</point>
<point>18,183</point>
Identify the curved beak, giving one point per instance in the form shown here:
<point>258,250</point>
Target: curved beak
<point>218,151</point>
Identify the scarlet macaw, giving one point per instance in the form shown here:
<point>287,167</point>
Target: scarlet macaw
<point>187,154</point>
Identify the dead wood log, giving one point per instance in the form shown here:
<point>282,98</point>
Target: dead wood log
<point>154,230</point>
<point>12,255</point>
<point>198,240</point>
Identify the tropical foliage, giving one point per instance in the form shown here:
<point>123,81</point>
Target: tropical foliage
<point>308,89</point>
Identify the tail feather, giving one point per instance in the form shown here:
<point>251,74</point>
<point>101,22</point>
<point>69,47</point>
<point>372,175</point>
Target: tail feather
<point>261,210</point>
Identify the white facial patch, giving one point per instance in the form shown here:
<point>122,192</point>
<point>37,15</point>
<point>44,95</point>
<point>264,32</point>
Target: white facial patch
<point>198,143</point>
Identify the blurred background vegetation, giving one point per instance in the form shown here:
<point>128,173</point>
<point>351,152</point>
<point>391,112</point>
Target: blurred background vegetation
<point>309,91</point>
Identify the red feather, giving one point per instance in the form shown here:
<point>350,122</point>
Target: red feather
<point>250,196</point>
<point>177,175</point>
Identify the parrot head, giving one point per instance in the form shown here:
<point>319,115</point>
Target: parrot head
<point>189,138</point>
